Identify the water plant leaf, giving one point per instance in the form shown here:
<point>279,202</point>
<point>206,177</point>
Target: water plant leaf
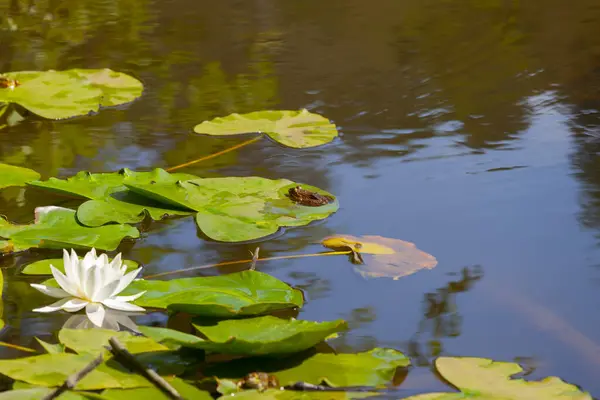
<point>392,258</point>
<point>297,129</point>
<point>235,209</point>
<point>243,293</point>
<point>64,94</point>
<point>93,341</point>
<point>51,348</point>
<point>42,371</point>
<point>11,175</point>
<point>42,267</point>
<point>37,393</point>
<point>487,379</point>
<point>372,368</point>
<point>187,391</point>
<point>57,228</point>
<point>110,200</point>
<point>252,336</point>
<point>275,394</point>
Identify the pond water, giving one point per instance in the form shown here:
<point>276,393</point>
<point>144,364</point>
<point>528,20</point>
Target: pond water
<point>471,128</point>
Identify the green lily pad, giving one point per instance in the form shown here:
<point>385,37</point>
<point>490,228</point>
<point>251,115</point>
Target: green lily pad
<point>11,175</point>
<point>42,267</point>
<point>487,379</point>
<point>186,391</point>
<point>236,209</point>
<point>57,228</point>
<point>66,94</point>
<point>374,368</point>
<point>109,200</point>
<point>243,293</point>
<point>37,393</point>
<point>252,336</point>
<point>42,371</point>
<point>297,129</point>
<point>274,394</point>
<point>51,348</point>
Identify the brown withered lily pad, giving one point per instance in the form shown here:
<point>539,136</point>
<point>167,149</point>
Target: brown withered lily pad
<point>388,258</point>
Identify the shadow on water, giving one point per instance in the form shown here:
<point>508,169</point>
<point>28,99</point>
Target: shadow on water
<point>430,97</point>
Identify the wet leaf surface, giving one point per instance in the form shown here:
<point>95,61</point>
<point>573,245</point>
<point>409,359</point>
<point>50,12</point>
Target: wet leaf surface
<point>11,175</point>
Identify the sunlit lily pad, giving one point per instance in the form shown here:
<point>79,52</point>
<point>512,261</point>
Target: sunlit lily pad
<point>42,267</point>
<point>298,129</point>
<point>374,368</point>
<point>110,200</point>
<point>391,258</point>
<point>37,393</point>
<point>186,391</point>
<point>11,175</point>
<point>239,294</point>
<point>482,378</point>
<point>236,209</point>
<point>64,94</point>
<point>42,370</point>
<point>252,336</point>
<point>275,394</point>
<point>57,228</point>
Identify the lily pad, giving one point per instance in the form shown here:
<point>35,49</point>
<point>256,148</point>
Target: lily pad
<point>57,228</point>
<point>65,94</point>
<point>243,293</point>
<point>186,391</point>
<point>297,129</point>
<point>236,209</point>
<point>274,394</point>
<point>42,371</point>
<point>392,258</point>
<point>109,200</point>
<point>42,267</point>
<point>487,379</point>
<point>11,175</point>
<point>374,368</point>
<point>37,393</point>
<point>252,336</point>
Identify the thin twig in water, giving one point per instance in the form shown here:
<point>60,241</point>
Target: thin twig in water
<point>254,259</point>
<point>72,380</point>
<point>128,360</point>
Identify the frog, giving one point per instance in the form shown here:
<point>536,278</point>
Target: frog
<point>307,198</point>
<point>260,381</point>
<point>8,83</point>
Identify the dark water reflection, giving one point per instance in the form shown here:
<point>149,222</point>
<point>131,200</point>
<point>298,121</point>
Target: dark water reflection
<point>469,127</point>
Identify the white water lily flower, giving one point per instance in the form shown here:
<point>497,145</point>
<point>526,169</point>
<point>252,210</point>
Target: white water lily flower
<point>92,282</point>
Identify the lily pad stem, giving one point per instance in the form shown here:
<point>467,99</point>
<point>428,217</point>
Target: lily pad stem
<point>237,146</point>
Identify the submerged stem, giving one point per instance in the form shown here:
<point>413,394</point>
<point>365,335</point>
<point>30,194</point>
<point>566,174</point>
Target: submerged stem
<point>208,157</point>
<point>221,264</point>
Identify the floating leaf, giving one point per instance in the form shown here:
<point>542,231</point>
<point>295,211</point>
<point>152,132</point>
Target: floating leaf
<point>237,209</point>
<point>373,368</point>
<point>186,391</point>
<point>252,336</point>
<point>393,258</point>
<point>110,200</point>
<point>42,371</point>
<point>51,348</point>
<point>239,294</point>
<point>57,228</point>
<point>42,267</point>
<point>65,94</point>
<point>487,379</point>
<point>275,394</point>
<point>297,129</point>
<point>93,341</point>
<point>11,175</point>
<point>37,393</point>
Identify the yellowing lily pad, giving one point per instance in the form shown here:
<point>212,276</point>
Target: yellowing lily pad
<point>298,129</point>
<point>391,258</point>
<point>65,94</point>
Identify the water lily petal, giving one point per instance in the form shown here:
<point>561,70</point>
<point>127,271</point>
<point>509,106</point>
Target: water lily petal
<point>95,313</point>
<point>105,291</point>
<point>67,285</point>
<point>89,260</point>
<point>122,306</point>
<point>67,264</point>
<point>91,281</point>
<point>130,298</point>
<point>74,265</point>
<point>52,307</point>
<point>102,260</point>
<point>116,262</point>
<point>51,291</point>
<point>74,304</point>
<point>125,281</point>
